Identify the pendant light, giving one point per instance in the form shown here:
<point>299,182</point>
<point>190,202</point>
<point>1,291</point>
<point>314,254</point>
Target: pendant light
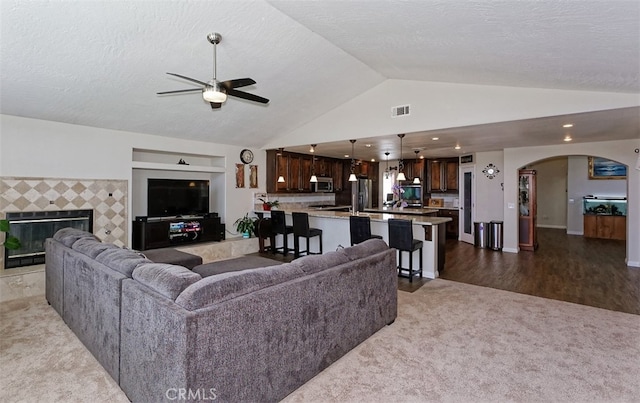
<point>352,177</point>
<point>279,152</point>
<point>401,176</point>
<point>416,179</point>
<point>386,170</point>
<point>314,178</point>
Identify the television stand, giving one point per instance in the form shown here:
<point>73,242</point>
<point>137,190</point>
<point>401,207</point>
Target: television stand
<point>162,232</point>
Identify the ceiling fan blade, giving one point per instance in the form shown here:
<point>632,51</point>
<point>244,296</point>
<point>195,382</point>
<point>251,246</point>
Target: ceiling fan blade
<point>215,105</point>
<point>179,91</point>
<point>246,95</point>
<point>237,83</point>
<point>187,78</point>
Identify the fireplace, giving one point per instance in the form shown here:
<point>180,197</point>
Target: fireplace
<point>32,228</point>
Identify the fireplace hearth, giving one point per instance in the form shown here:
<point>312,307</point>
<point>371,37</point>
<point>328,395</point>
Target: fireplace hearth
<point>32,228</point>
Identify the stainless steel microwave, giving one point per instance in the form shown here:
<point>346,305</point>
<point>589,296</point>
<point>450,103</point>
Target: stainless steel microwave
<point>322,185</point>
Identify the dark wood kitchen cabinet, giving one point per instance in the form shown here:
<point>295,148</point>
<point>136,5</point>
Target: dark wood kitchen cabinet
<point>451,227</point>
<point>443,176</point>
<point>296,170</point>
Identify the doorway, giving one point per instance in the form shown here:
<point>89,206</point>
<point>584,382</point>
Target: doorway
<point>467,204</point>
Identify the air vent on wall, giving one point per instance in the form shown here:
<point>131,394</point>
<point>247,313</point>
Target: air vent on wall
<point>400,111</point>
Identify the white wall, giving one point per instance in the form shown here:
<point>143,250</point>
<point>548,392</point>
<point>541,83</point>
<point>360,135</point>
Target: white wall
<point>437,105</point>
<point>621,151</point>
<point>551,192</point>
<point>40,148</point>
<point>489,193</point>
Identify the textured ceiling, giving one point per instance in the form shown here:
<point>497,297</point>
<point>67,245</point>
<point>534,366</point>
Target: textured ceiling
<point>100,63</point>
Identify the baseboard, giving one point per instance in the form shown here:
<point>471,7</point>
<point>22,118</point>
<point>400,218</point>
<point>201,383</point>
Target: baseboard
<point>631,263</point>
<point>509,250</point>
<point>552,226</point>
<point>575,233</point>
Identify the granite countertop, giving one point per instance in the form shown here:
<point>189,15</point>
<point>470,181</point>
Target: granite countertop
<point>343,215</point>
<point>405,211</point>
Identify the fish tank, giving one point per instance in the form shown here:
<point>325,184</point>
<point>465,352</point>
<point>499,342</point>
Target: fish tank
<point>605,205</point>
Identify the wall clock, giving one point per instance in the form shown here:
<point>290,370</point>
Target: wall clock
<point>491,171</point>
<point>246,156</point>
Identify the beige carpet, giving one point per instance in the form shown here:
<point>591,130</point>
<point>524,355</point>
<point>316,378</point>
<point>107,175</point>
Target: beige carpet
<point>452,342</point>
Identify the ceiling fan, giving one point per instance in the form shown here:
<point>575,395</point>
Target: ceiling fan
<point>215,92</point>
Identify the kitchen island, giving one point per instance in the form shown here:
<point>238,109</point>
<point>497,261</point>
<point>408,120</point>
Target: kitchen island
<point>335,232</point>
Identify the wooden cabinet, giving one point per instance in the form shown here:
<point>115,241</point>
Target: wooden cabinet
<point>165,232</point>
<point>451,227</point>
<point>338,175</point>
<point>296,170</point>
<point>527,232</point>
<point>605,226</point>
<point>443,176</point>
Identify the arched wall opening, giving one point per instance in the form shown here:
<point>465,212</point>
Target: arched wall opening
<point>562,183</point>
<point>621,151</point>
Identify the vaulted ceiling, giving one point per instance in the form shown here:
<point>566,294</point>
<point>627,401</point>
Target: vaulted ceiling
<point>101,63</point>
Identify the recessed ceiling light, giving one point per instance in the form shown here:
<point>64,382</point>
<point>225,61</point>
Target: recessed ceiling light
<point>367,145</point>
<point>567,138</point>
<point>457,147</point>
<point>422,157</point>
<point>568,125</point>
<point>435,138</point>
<point>346,155</point>
<point>373,160</point>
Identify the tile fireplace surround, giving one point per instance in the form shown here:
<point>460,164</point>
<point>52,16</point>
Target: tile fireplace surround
<point>106,197</point>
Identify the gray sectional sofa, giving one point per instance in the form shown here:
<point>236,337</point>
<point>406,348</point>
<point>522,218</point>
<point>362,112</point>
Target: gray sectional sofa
<point>165,332</point>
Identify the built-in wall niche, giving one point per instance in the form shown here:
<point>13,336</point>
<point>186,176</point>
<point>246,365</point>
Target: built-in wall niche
<point>174,161</point>
<point>175,165</point>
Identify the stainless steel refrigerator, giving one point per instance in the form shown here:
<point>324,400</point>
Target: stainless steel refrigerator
<point>362,194</point>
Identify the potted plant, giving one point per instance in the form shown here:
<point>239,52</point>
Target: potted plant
<point>245,225</point>
<point>268,205</point>
<point>10,242</point>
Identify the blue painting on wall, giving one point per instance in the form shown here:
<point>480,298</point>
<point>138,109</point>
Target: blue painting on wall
<point>602,168</point>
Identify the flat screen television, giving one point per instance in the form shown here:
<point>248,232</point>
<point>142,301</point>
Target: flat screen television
<point>173,197</point>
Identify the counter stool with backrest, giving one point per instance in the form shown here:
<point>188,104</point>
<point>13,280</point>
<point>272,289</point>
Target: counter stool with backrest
<point>279,227</point>
<point>360,229</point>
<point>301,229</point>
<point>401,238</point>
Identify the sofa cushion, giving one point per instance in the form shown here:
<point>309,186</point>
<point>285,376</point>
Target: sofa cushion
<point>314,263</point>
<point>226,286</point>
<point>235,264</point>
<point>121,260</point>
<point>367,248</point>
<point>68,236</point>
<point>167,279</point>
<point>91,246</point>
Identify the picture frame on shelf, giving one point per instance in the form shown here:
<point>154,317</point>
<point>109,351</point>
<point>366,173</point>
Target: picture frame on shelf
<point>602,168</point>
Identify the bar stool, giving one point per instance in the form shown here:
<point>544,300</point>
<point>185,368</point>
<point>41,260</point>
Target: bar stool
<point>401,238</point>
<point>301,229</point>
<point>280,227</point>
<point>360,229</point>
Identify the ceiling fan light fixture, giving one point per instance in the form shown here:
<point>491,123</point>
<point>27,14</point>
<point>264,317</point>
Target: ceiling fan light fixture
<point>213,93</point>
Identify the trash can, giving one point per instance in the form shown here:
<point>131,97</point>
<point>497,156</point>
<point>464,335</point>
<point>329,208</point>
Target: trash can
<point>481,234</point>
<point>495,235</point>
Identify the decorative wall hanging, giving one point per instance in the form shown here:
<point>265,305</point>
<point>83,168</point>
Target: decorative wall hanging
<point>239,175</point>
<point>491,171</point>
<point>253,176</point>
<point>602,168</point>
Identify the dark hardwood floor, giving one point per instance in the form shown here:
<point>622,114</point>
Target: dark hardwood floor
<point>565,267</point>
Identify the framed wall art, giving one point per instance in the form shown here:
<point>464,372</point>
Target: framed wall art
<point>253,176</point>
<point>602,168</point>
<point>239,175</point>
